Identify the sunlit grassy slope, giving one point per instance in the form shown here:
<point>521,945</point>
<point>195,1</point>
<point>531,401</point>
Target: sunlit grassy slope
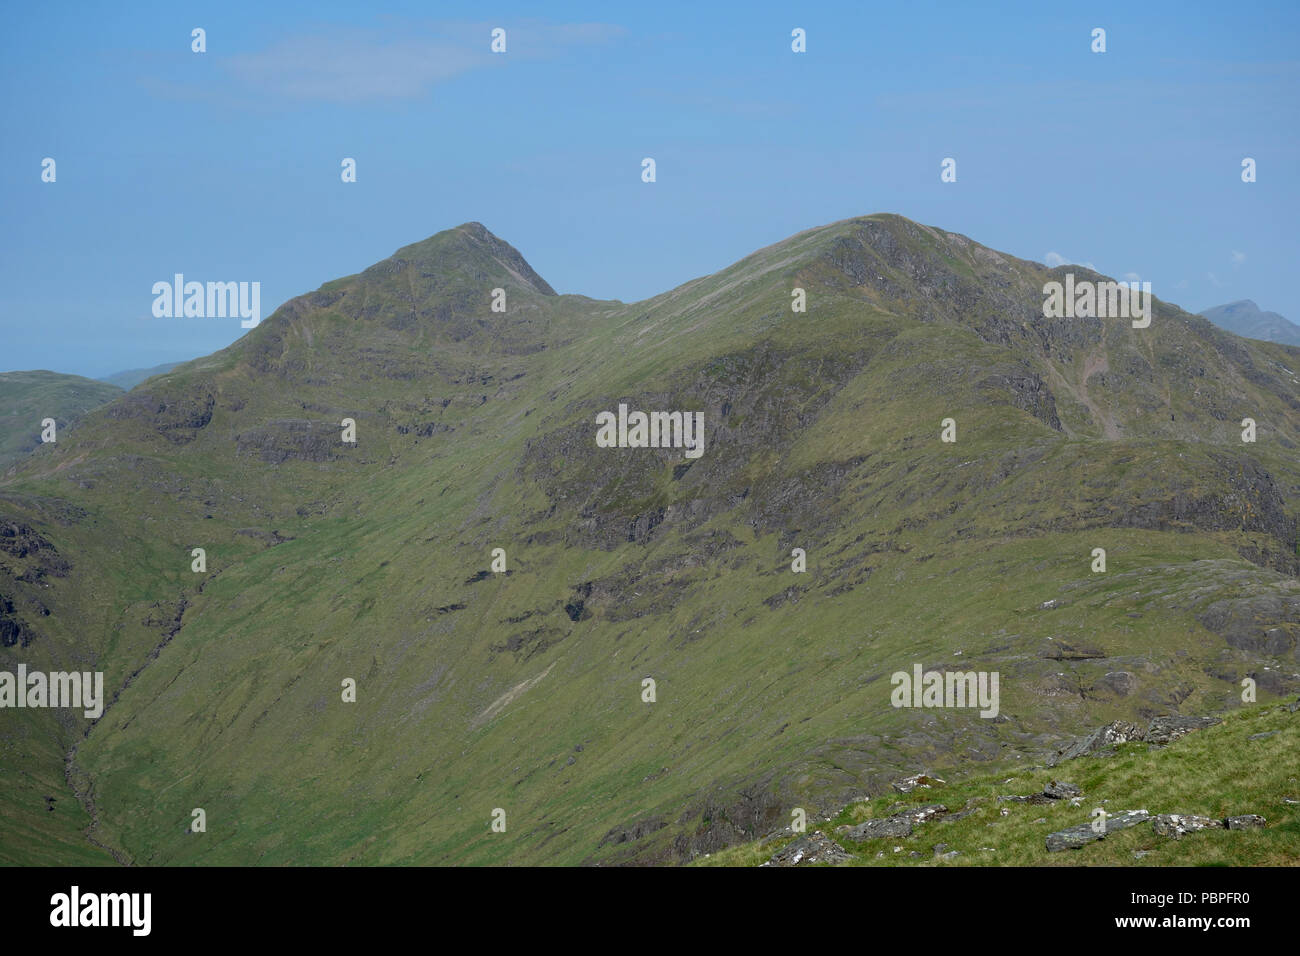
<point>1225,770</point>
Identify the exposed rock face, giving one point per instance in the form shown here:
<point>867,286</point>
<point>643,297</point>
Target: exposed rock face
<point>1072,838</point>
<point>278,441</point>
<point>814,848</point>
<point>899,825</point>
<point>1060,790</point>
<point>1164,730</point>
<point>13,630</point>
<point>908,784</point>
<point>1262,623</point>
<point>1119,683</point>
<point>1033,799</point>
<point>919,815</point>
<point>1254,504</point>
<point>1028,393</point>
<point>888,828</point>
<point>1161,731</point>
<point>19,600</point>
<point>1247,822</point>
<point>21,540</point>
<point>1176,824</point>
<point>1171,825</point>
<point>635,831</point>
<point>177,416</point>
<point>1116,732</point>
<point>1054,791</point>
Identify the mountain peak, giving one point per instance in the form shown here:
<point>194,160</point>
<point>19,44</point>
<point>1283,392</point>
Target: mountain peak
<point>472,247</point>
<point>1243,317</point>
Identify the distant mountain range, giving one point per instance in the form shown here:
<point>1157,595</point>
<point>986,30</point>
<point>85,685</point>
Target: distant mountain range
<point>1245,318</point>
<point>133,377</point>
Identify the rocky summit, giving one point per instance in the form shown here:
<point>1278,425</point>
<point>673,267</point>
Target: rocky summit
<point>370,586</point>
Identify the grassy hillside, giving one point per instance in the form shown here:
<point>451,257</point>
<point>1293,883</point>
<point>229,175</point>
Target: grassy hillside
<point>1246,765</point>
<point>523,690</point>
<point>27,398</point>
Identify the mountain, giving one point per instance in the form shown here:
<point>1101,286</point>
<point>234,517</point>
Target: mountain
<point>28,398</point>
<point>1245,318</point>
<point>524,690</point>
<point>132,377</point>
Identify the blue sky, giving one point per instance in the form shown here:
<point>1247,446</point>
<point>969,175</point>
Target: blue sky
<point>225,165</point>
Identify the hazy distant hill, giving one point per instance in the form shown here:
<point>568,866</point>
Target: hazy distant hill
<point>523,688</point>
<point>133,377</point>
<point>1245,318</point>
<point>26,398</point>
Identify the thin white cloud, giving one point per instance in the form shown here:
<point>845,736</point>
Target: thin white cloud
<point>1131,277</point>
<point>350,70</point>
<point>401,61</point>
<point>1238,257</point>
<point>1054,259</point>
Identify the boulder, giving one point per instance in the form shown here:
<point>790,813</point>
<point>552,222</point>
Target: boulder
<point>1072,838</point>
<point>1246,822</point>
<point>1164,730</point>
<point>908,784</point>
<point>1174,825</point>
<point>1060,790</point>
<point>1116,732</point>
<point>1119,683</point>
<point>919,815</point>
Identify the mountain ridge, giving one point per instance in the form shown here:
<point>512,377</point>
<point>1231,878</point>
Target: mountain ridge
<point>522,688</point>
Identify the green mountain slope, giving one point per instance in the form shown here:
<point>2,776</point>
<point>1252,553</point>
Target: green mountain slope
<point>522,690</point>
<point>27,398</point>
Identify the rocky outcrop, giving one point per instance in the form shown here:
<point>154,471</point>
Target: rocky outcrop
<point>893,827</point>
<point>1172,825</point>
<point>1072,838</point>
<point>814,848</point>
<point>177,416</point>
<point>1103,740</point>
<point>1165,730</point>
<point>908,784</point>
<point>278,441</point>
<point>1175,825</point>
<point>1112,734</point>
<point>1248,821</point>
